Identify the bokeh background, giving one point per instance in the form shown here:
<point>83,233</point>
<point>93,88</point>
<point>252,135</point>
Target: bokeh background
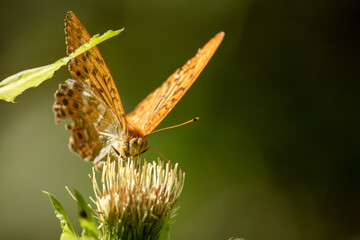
<point>276,153</point>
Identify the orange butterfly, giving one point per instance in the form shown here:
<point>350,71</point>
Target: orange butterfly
<point>93,102</point>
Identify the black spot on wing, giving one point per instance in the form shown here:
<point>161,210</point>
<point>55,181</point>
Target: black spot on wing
<point>65,101</point>
<point>99,60</point>
<point>70,93</point>
<point>181,89</point>
<point>94,72</point>
<point>76,105</point>
<point>80,136</point>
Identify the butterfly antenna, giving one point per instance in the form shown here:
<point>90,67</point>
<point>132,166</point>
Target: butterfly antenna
<point>162,129</point>
<point>162,157</point>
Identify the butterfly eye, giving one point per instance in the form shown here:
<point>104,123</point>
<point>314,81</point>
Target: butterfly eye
<point>134,143</point>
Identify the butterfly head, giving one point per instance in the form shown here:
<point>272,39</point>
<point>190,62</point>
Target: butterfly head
<point>137,145</point>
<point>133,143</point>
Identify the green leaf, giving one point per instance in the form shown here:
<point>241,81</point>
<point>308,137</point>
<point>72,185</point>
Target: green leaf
<point>165,230</point>
<point>14,85</point>
<point>86,219</point>
<point>68,231</point>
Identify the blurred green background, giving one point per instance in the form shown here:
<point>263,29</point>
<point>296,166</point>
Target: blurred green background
<point>276,152</point>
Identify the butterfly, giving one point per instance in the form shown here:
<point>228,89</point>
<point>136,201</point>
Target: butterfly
<point>92,100</point>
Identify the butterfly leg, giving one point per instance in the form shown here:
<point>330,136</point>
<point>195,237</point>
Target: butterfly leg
<point>116,151</point>
<point>139,159</point>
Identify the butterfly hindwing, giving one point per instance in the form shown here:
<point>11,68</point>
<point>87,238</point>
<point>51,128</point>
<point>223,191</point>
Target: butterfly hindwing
<point>94,124</point>
<point>154,108</point>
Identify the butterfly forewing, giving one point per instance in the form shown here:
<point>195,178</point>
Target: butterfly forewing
<point>154,108</point>
<point>91,67</point>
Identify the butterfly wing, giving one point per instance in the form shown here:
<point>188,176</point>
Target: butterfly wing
<point>91,67</point>
<point>154,108</point>
<point>94,127</point>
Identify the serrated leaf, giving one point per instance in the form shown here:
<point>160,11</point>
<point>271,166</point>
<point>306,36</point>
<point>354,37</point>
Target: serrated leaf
<point>14,85</point>
<point>86,219</point>
<point>68,231</point>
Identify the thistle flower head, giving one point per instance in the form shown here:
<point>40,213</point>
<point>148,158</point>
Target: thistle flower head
<point>135,203</point>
